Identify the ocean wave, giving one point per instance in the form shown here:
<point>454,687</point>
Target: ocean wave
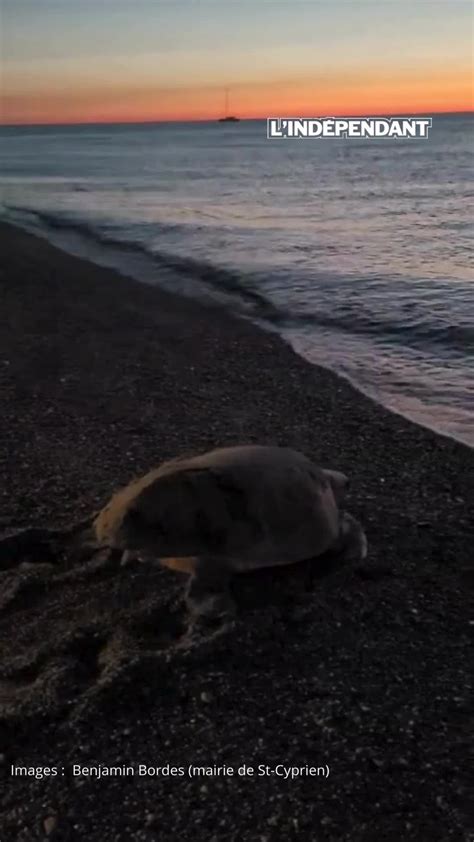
<point>218,278</point>
<point>249,293</point>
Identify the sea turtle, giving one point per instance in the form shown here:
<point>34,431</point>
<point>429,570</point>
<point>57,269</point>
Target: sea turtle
<point>229,510</point>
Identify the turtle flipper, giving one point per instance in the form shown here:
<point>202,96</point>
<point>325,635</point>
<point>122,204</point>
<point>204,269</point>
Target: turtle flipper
<point>352,539</point>
<point>207,592</point>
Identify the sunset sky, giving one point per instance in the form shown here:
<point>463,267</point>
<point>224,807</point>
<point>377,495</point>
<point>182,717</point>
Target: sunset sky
<point>70,61</point>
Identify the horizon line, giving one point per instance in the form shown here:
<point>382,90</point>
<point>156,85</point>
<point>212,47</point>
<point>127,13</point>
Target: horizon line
<point>241,119</point>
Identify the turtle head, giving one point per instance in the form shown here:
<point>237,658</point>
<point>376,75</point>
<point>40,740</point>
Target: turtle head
<point>339,484</point>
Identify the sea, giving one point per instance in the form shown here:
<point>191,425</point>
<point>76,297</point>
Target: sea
<point>357,252</point>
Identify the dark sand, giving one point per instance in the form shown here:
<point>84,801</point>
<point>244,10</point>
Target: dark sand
<point>366,669</point>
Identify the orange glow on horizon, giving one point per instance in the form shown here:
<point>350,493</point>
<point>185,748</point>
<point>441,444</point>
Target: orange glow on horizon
<point>362,94</point>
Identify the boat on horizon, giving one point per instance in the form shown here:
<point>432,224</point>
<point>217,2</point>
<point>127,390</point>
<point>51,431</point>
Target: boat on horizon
<point>228,118</point>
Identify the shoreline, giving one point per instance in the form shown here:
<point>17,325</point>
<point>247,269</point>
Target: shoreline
<point>366,670</point>
<point>130,261</point>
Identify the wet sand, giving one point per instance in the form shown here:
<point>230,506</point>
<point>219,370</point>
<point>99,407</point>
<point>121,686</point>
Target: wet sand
<point>365,669</point>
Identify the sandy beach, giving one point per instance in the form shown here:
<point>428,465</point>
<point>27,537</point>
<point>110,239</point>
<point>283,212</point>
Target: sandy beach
<point>365,670</point>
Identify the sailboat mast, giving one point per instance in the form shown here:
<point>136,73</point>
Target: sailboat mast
<point>227,118</point>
